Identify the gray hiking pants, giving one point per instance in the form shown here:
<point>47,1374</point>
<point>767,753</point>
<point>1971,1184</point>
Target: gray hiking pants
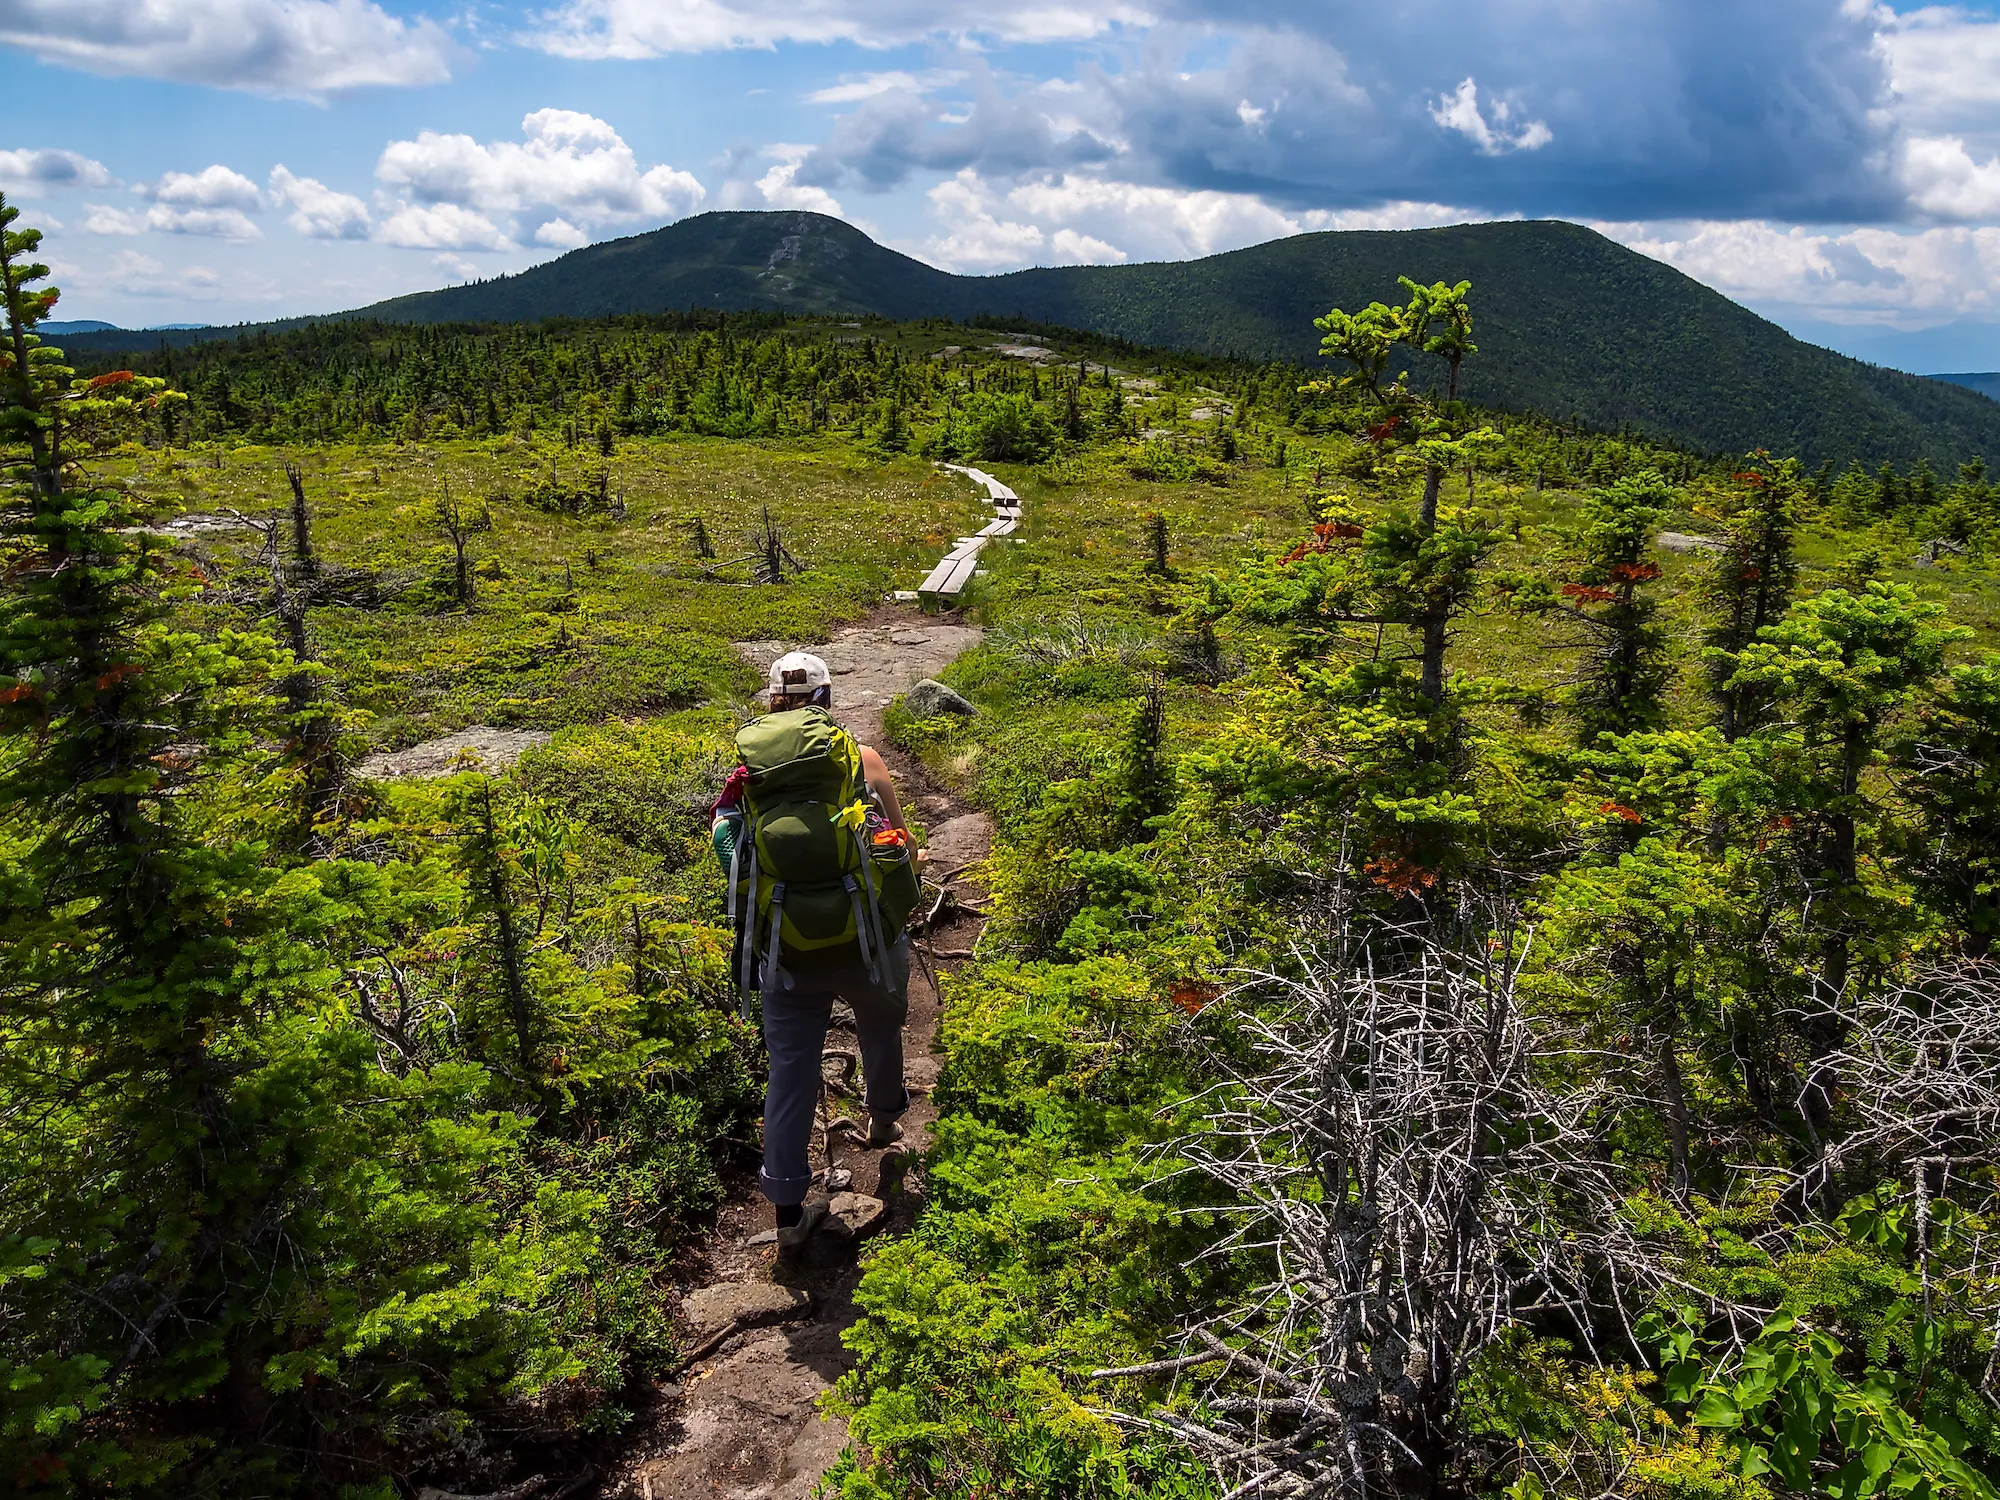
<point>795,1022</point>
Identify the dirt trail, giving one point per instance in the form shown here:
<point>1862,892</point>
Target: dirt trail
<point>742,1421</point>
<point>873,662</point>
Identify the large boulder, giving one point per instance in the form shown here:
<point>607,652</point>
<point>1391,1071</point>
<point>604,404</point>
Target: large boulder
<point>929,698</point>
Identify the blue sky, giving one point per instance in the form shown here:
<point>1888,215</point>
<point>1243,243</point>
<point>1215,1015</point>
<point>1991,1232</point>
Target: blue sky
<point>1834,164</point>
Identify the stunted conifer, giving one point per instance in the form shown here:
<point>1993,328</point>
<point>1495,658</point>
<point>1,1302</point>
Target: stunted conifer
<point>1418,569</point>
<point>225,1230</point>
<point>1751,583</point>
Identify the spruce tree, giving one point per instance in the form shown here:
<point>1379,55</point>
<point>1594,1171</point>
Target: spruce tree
<point>1607,566</point>
<point>1419,568</point>
<point>1839,669</point>
<point>1750,585</point>
<point>1948,767</point>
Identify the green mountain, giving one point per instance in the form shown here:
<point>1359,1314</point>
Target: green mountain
<point>1569,323</point>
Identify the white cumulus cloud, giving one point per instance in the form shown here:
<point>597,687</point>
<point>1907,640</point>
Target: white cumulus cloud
<point>561,234</point>
<point>976,237</point>
<point>572,169</point>
<point>318,211</point>
<point>1460,111</point>
<point>441,226</point>
<point>30,169</point>
<point>1945,182</point>
<point>215,223</point>
<point>1069,248</point>
<point>216,202</point>
<point>778,187</point>
<point>294,48</point>
<point>103,218</point>
<point>1944,66</point>
<point>1865,275</point>
<point>1080,218</point>
<point>212,187</point>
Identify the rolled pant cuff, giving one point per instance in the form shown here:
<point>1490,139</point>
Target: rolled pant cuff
<point>888,1111</point>
<point>784,1191</point>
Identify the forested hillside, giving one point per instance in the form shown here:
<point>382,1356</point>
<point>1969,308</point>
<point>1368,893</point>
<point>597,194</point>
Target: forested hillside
<point>1489,986</point>
<point>1578,327</point>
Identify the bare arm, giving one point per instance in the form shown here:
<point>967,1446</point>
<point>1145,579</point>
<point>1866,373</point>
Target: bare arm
<point>883,785</point>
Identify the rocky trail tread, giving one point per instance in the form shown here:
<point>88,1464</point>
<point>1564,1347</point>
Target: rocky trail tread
<point>740,1419</point>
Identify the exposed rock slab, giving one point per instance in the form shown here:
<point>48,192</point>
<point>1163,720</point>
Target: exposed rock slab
<point>751,1429</point>
<point>963,840</point>
<point>743,1304</point>
<point>1681,541</point>
<point>479,748</point>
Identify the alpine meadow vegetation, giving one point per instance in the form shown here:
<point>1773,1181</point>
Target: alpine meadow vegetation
<point>1489,989</point>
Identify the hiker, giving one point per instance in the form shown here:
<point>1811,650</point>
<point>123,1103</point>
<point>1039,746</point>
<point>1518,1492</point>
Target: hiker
<point>822,878</point>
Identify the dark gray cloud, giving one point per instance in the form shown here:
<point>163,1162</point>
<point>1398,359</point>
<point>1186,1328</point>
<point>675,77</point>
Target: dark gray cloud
<point>294,48</point>
<point>1584,108</point>
<point>1000,125</point>
<point>48,167</point>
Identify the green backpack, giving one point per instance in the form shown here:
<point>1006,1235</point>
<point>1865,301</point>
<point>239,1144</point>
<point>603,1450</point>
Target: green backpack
<point>806,884</point>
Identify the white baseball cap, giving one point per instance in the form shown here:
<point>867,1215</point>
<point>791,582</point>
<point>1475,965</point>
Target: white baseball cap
<point>797,673</point>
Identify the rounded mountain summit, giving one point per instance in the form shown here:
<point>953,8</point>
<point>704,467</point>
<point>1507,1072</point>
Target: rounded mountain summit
<point>1568,323</point>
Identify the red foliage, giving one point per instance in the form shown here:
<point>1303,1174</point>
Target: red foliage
<point>1400,873</point>
<point>1378,434</point>
<point>1636,572</point>
<point>1324,536</point>
<point>1754,481</point>
<point>1587,593</point>
<point>1619,809</point>
<point>1194,995</point>
<point>117,675</point>
<point>115,377</point>
<point>17,692</point>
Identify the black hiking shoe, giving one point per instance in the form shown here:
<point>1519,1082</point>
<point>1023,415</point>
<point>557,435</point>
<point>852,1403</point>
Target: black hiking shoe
<point>793,1238</point>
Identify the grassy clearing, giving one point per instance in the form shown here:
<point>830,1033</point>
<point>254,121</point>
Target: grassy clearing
<point>577,620</point>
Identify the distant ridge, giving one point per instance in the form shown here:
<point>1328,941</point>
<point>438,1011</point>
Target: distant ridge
<point>1987,384</point>
<point>1569,322</point>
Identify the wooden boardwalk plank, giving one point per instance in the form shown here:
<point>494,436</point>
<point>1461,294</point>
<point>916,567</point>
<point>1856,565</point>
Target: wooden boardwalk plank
<point>950,576</point>
<point>995,490</point>
<point>960,566</point>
